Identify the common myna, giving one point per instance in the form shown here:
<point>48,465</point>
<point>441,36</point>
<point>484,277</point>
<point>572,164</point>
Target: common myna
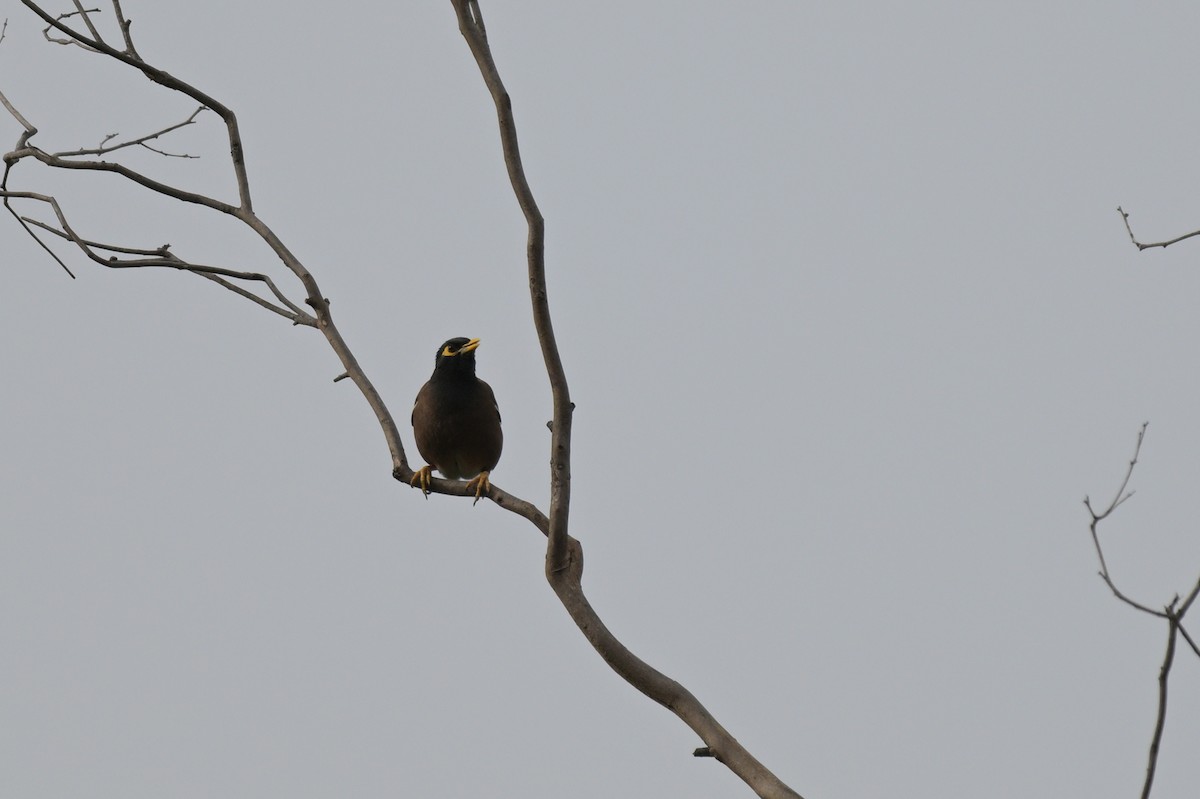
<point>456,420</point>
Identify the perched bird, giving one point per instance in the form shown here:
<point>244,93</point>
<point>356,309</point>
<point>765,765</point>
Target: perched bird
<point>456,421</point>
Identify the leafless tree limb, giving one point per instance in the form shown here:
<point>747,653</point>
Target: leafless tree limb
<point>1147,246</point>
<point>1173,613</point>
<point>124,24</point>
<point>129,56</point>
<point>74,42</point>
<point>105,148</point>
<point>87,19</point>
<point>1188,638</point>
<point>1160,720</point>
<point>564,558</point>
<point>131,175</point>
<point>564,555</point>
<point>243,212</point>
<point>160,256</point>
<point>1118,499</point>
<point>25,223</point>
<point>470,24</point>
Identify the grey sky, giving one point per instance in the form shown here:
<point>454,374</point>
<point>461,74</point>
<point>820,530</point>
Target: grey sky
<point>852,325</point>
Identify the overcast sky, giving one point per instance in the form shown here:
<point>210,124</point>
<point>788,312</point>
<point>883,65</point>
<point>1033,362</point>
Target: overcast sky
<point>852,325</point>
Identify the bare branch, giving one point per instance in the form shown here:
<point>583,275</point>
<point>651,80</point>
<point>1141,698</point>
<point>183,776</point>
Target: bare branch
<point>564,562</point>
<point>166,154</point>
<point>129,174</point>
<point>160,257</point>
<point>243,212</point>
<point>1173,613</point>
<point>25,224</point>
<point>1121,496</point>
<point>3,29</point>
<point>470,24</point>
<point>87,20</point>
<point>141,140</point>
<point>124,24</point>
<point>1118,499</point>
<point>1142,246</point>
<point>1161,716</point>
<point>564,555</point>
<point>1183,631</point>
<point>298,317</point>
<point>78,42</point>
<point>30,130</point>
<point>163,78</point>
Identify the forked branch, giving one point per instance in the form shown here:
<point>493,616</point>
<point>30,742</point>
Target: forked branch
<point>1173,612</point>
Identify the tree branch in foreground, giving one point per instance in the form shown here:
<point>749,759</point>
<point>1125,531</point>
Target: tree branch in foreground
<point>1173,612</point>
<point>564,559</point>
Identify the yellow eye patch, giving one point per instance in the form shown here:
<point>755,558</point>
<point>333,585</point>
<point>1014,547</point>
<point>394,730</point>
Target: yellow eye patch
<point>468,347</point>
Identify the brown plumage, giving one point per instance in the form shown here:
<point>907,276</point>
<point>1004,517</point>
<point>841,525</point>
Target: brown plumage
<point>456,420</point>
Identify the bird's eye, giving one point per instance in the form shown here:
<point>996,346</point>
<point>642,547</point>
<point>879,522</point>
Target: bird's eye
<point>447,352</point>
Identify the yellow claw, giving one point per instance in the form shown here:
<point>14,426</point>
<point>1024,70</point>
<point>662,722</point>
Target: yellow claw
<point>423,477</point>
<point>481,484</point>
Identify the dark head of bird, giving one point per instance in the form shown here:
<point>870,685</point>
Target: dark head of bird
<point>456,359</point>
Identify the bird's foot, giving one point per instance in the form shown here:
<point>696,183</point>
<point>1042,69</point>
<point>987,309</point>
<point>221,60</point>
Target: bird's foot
<point>481,484</point>
<point>420,479</point>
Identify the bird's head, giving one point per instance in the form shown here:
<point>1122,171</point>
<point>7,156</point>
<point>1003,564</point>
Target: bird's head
<point>456,357</point>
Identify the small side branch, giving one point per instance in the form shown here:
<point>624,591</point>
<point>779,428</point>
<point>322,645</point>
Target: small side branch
<point>1118,499</point>
<point>1146,246</point>
<point>106,148</point>
<point>124,25</point>
<point>156,257</point>
<point>80,11</point>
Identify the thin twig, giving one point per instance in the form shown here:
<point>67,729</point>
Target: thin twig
<point>1118,499</point>
<point>77,41</point>
<point>1191,597</point>
<point>298,317</point>
<point>141,140</point>
<point>162,257</point>
<point>129,174</point>
<point>1183,631</point>
<point>24,223</point>
<point>124,24</point>
<point>167,154</point>
<point>1142,246</point>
